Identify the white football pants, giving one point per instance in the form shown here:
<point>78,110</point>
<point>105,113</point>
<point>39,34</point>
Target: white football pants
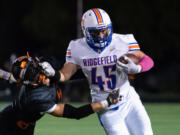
<point>130,117</point>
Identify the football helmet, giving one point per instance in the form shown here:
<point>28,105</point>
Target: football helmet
<point>26,69</point>
<point>97,28</point>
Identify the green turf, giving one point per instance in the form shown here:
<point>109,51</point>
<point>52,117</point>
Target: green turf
<point>165,120</point>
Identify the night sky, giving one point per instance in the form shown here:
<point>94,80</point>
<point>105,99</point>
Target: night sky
<point>45,27</point>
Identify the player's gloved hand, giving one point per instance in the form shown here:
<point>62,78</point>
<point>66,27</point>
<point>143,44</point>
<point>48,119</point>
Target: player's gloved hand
<point>113,97</point>
<point>50,72</point>
<point>129,68</point>
<point>48,69</point>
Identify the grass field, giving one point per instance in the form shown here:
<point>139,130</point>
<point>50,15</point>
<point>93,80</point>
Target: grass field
<point>165,120</point>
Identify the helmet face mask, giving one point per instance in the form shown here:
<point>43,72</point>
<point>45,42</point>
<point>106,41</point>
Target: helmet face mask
<point>94,22</point>
<point>95,41</point>
<point>95,33</point>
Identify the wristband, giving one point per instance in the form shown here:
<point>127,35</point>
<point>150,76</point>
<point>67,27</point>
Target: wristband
<point>56,77</point>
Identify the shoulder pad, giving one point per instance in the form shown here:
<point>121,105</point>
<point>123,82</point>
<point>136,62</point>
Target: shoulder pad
<point>128,38</point>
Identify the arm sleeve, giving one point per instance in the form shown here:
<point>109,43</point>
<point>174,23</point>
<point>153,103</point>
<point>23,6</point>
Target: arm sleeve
<point>146,63</point>
<point>42,106</point>
<point>41,100</point>
<point>77,113</point>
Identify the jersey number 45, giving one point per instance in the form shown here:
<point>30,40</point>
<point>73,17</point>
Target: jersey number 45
<point>111,78</point>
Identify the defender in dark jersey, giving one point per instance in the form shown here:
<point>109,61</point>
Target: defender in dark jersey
<point>37,97</point>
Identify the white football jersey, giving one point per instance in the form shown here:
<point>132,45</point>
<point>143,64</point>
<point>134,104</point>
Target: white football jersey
<point>100,68</point>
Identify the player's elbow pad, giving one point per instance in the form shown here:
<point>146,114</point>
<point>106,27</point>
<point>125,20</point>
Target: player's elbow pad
<point>77,113</point>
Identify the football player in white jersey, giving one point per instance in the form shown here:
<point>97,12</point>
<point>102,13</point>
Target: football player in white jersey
<point>97,54</point>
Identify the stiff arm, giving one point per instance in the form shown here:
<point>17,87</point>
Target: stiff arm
<point>67,71</point>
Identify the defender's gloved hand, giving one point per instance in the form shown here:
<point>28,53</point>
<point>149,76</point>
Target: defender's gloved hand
<point>113,97</point>
<point>129,68</point>
<point>48,69</point>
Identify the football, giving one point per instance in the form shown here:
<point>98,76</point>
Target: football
<point>133,57</point>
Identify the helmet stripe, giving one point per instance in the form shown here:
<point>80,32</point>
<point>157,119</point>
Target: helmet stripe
<point>98,15</point>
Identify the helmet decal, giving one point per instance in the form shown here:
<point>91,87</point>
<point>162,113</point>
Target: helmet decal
<point>23,64</point>
<point>98,15</point>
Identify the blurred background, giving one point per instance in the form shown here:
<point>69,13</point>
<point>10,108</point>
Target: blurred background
<point>45,27</point>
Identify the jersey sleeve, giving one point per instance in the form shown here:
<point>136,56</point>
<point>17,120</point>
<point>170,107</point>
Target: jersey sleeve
<point>71,53</point>
<point>132,43</point>
<point>51,109</point>
<point>44,106</point>
<point>41,100</point>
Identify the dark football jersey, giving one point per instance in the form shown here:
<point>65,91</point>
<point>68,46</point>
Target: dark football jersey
<point>31,104</point>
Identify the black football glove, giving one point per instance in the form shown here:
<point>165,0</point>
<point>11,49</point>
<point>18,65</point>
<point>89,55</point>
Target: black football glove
<point>113,97</point>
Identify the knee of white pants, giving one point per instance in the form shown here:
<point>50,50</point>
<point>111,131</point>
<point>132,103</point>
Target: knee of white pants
<point>114,127</point>
<point>144,128</point>
<point>145,132</point>
<point>147,129</point>
<point>113,124</point>
<point>113,121</point>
